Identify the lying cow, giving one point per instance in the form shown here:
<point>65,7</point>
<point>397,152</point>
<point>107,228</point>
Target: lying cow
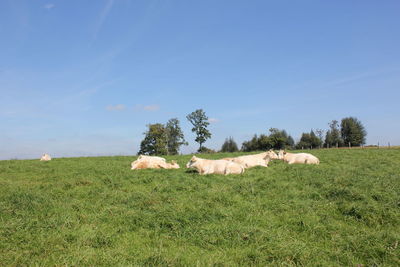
<point>208,166</point>
<point>302,158</point>
<point>261,159</point>
<point>150,162</point>
<point>45,157</point>
<point>151,158</point>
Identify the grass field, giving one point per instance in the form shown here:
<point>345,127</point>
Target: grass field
<point>98,212</point>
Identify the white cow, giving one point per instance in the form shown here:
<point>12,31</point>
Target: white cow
<point>261,159</point>
<point>45,157</point>
<point>208,166</point>
<point>151,157</point>
<point>302,158</point>
<point>151,162</point>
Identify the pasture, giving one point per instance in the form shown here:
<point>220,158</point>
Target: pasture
<point>98,212</point>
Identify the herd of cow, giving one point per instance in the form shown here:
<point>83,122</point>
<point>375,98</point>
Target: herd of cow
<point>225,166</point>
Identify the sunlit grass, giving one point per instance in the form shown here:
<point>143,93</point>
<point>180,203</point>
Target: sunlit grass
<point>96,211</point>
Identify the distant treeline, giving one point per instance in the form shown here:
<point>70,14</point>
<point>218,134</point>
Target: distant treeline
<point>165,139</point>
<point>350,132</point>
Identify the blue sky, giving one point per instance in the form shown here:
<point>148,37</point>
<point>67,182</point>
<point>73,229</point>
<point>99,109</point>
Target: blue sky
<point>81,78</point>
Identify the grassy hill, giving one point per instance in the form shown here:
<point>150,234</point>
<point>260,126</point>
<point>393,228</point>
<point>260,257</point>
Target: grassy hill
<point>96,211</point>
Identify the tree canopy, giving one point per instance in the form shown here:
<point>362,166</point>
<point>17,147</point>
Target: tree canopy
<point>175,137</point>
<point>155,141</point>
<point>309,140</point>
<point>277,139</point>
<point>199,120</point>
<point>162,140</point>
<point>333,137</point>
<point>229,145</point>
<point>353,131</point>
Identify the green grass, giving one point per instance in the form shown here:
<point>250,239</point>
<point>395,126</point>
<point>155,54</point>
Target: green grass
<point>96,211</point>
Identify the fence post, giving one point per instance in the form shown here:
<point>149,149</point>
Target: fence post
<point>349,145</point>
<point>378,144</point>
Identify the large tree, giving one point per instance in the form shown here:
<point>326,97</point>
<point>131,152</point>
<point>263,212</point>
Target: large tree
<point>155,141</point>
<point>309,140</point>
<point>332,137</point>
<point>320,134</point>
<point>199,120</point>
<point>229,145</point>
<point>353,131</point>
<point>250,145</point>
<point>175,137</point>
<point>277,139</point>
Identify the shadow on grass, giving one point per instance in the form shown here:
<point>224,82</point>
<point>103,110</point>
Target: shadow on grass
<point>190,171</point>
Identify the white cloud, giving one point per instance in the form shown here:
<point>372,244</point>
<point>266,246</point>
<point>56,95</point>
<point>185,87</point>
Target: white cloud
<point>115,107</point>
<point>49,6</point>
<point>102,17</point>
<point>151,107</point>
<point>147,108</point>
<point>213,120</point>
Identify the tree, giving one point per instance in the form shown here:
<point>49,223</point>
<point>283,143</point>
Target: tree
<point>263,142</point>
<point>257,143</point>
<point>320,134</point>
<point>250,145</point>
<point>309,140</point>
<point>229,145</point>
<point>315,141</point>
<point>155,141</point>
<point>353,132</point>
<point>290,142</point>
<point>174,135</point>
<point>332,137</point>
<point>277,139</point>
<point>199,120</point>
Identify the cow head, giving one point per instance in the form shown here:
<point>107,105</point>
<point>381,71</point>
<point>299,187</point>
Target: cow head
<point>192,162</point>
<point>174,165</point>
<point>281,154</point>
<point>134,165</point>
<point>271,154</point>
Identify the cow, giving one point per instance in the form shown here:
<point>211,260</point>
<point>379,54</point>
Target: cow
<point>45,157</point>
<point>208,166</point>
<point>301,158</point>
<point>150,162</point>
<point>172,165</point>
<point>151,157</point>
<point>261,159</point>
